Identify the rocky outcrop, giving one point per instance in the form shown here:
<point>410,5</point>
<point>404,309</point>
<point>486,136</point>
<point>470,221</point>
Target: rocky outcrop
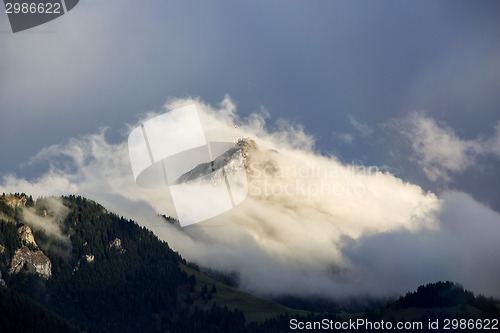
<point>15,201</point>
<point>89,257</point>
<point>2,249</point>
<point>117,244</point>
<point>26,260</point>
<point>29,258</point>
<point>247,146</point>
<point>26,236</point>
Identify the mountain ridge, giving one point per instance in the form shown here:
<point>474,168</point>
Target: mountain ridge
<point>230,157</point>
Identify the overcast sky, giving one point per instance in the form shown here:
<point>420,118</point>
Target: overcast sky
<point>409,86</point>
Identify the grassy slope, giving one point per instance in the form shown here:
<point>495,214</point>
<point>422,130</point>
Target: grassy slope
<point>256,309</point>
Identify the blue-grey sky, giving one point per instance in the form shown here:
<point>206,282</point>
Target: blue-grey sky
<point>327,65</point>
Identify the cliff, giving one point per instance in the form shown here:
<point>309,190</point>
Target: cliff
<point>29,258</point>
<point>15,201</point>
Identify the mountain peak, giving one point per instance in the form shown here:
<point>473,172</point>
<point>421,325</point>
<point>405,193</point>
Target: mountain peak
<point>245,145</point>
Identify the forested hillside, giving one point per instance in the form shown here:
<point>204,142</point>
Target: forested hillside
<point>108,274</point>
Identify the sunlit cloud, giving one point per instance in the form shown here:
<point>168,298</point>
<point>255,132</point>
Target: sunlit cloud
<point>438,150</point>
<point>311,224</point>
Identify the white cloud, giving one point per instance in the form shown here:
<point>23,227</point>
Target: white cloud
<point>344,137</point>
<point>47,216</point>
<point>438,150</point>
<point>311,225</point>
<point>362,128</point>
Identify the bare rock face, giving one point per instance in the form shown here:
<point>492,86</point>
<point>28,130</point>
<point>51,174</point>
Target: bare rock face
<point>247,146</point>
<point>26,236</point>
<point>15,201</point>
<point>89,257</point>
<point>117,244</point>
<point>29,257</point>
<point>32,262</point>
